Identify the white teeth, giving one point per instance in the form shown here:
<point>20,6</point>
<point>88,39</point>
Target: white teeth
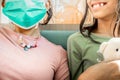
<point>101,4</point>
<point>98,5</point>
<point>95,6</point>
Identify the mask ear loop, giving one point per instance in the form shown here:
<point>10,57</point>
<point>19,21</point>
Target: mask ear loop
<point>49,13</point>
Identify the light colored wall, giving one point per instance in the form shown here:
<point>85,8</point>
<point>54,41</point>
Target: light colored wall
<point>67,11</point>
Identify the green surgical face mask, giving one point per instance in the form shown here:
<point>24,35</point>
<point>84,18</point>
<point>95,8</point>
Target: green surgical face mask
<point>25,13</point>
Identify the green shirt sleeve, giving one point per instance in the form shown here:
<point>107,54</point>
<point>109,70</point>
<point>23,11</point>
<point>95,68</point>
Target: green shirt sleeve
<point>75,56</point>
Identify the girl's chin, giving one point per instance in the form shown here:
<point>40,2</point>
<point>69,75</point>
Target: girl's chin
<point>98,16</point>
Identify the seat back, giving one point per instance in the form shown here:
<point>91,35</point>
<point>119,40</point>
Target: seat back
<point>58,37</point>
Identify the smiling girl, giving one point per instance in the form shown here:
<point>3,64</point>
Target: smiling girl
<point>83,45</point>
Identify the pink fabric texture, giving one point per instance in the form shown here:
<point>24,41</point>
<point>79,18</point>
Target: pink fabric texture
<point>45,62</point>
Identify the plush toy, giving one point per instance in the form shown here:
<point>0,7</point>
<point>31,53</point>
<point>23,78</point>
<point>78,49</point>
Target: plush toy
<point>110,50</point>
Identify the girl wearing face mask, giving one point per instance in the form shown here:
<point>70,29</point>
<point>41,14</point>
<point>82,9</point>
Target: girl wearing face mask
<point>24,53</point>
<point>83,45</point>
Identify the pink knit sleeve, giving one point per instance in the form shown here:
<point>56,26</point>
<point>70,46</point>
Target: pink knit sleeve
<point>62,72</point>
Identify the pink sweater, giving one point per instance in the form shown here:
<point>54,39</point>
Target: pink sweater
<point>45,62</point>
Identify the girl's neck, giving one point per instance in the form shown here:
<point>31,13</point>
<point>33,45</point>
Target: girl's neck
<point>34,32</point>
<point>106,26</point>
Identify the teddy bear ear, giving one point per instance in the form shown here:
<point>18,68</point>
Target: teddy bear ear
<point>102,47</point>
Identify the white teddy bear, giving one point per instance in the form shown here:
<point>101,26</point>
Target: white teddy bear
<point>110,50</point>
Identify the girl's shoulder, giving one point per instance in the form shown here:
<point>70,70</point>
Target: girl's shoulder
<point>77,40</point>
<point>77,37</point>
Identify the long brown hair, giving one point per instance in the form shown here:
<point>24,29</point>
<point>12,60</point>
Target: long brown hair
<point>3,3</point>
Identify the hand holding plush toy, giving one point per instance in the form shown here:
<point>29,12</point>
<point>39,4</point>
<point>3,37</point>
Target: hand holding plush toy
<point>110,50</point>
<point>109,68</point>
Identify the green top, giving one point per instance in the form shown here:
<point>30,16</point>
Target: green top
<point>82,52</point>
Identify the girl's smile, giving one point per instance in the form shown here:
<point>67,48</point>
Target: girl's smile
<point>102,8</point>
<point>98,5</point>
